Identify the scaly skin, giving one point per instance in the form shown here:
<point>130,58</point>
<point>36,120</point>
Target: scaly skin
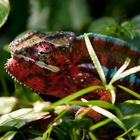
<point>72,67</point>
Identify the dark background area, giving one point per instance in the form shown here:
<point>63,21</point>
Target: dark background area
<point>20,13</point>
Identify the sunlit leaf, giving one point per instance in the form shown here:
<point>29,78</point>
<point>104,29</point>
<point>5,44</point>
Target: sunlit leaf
<point>131,114</point>
<point>97,103</point>
<point>129,72</point>
<point>136,21</point>
<point>128,28</point>
<point>104,25</point>
<point>38,138</point>
<point>20,117</point>
<point>99,124</point>
<point>130,91</point>
<point>8,136</point>
<point>7,104</point>
<point>4,11</point>
<point>95,59</point>
<point>120,70</point>
<point>130,129</point>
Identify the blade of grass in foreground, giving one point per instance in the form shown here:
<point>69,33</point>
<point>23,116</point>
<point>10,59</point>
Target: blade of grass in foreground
<point>92,136</point>
<point>95,60</point>
<point>121,69</point>
<point>128,72</point>
<point>4,11</point>
<point>130,129</point>
<point>99,124</point>
<point>130,91</point>
<point>71,97</point>
<point>98,103</point>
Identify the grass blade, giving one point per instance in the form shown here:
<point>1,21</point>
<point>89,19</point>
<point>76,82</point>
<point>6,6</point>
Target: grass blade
<point>71,97</point>
<point>129,72</point>
<point>99,124</point>
<point>112,91</point>
<point>120,70</point>
<point>95,60</point>
<point>130,91</point>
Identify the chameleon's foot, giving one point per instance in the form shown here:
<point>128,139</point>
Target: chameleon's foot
<point>81,110</point>
<point>89,113</point>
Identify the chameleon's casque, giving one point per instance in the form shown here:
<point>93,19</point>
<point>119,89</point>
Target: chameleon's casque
<point>58,64</point>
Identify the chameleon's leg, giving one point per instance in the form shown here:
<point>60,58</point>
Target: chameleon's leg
<point>83,79</point>
<point>104,96</point>
<point>77,110</point>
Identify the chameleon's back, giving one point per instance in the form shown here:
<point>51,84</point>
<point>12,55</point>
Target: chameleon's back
<point>112,53</point>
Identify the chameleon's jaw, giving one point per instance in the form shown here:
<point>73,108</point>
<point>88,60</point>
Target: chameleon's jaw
<point>34,77</point>
<point>28,73</point>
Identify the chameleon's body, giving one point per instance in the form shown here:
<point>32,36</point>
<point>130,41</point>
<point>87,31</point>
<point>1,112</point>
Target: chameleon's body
<point>73,68</point>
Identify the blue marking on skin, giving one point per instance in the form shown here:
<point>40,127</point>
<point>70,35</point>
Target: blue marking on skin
<point>110,39</point>
<point>112,72</point>
<point>105,69</point>
<point>137,80</point>
<point>91,66</point>
<point>131,79</point>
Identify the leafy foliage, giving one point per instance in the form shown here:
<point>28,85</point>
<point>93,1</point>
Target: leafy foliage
<point>26,116</point>
<point>5,8</point>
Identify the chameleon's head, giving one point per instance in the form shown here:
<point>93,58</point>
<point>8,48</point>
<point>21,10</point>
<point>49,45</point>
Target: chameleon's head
<point>37,56</point>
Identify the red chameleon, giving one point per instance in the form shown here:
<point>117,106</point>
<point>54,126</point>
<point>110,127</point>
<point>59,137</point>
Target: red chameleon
<point>58,64</point>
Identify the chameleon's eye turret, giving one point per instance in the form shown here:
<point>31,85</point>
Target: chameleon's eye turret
<point>20,45</point>
<point>43,51</point>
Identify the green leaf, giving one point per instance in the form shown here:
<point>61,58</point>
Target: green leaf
<point>25,94</point>
<point>98,103</point>
<point>92,136</point>
<point>7,104</point>
<point>130,129</point>
<point>130,91</point>
<point>4,11</point>
<point>136,21</point>
<point>8,136</point>
<point>38,138</point>
<point>128,28</point>
<point>131,114</point>
<point>51,14</point>
<point>99,124</point>
<point>20,117</point>
<point>78,18</point>
<point>104,25</point>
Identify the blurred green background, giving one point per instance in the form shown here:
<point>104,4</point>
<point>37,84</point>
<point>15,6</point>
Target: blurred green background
<point>120,18</point>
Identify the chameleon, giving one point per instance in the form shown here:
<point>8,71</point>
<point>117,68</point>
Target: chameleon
<point>58,64</point>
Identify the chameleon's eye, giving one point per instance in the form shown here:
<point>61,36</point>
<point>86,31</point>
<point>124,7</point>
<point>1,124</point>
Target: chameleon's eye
<point>43,51</point>
<point>43,56</point>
